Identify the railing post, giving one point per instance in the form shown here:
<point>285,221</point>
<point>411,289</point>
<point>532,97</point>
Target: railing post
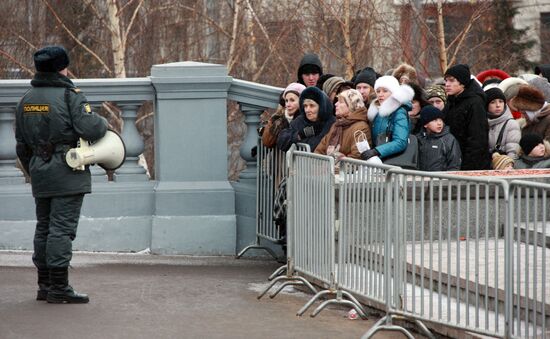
<point>252,119</point>
<point>131,170</point>
<point>9,174</point>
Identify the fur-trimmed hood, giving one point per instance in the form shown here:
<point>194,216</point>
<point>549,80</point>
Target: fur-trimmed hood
<point>398,98</point>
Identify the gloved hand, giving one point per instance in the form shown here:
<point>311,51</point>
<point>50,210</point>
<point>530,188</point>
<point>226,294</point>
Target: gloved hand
<point>369,154</point>
<point>307,132</point>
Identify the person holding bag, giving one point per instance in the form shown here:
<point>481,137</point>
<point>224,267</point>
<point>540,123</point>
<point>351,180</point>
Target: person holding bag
<point>390,121</point>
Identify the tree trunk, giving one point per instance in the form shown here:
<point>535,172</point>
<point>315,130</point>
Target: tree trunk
<point>118,42</point>
<point>441,38</point>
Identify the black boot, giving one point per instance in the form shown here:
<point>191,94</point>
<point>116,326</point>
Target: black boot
<point>60,290</point>
<point>43,283</point>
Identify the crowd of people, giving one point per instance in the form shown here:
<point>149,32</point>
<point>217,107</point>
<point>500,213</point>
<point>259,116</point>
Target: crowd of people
<point>456,122</point>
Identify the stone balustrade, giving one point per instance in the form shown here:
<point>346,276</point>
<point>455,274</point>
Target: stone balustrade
<point>190,207</point>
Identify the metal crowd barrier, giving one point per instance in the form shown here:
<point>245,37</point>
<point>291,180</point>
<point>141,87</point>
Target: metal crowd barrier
<point>529,285</point>
<point>271,169</point>
<point>456,251</point>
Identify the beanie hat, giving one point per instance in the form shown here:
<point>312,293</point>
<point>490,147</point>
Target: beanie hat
<point>295,88</point>
<point>429,113</point>
<point>367,76</point>
<point>436,91</point>
<point>460,72</point>
<point>542,85</point>
<point>389,82</point>
<point>492,94</point>
<point>405,70</point>
<point>353,99</point>
<point>528,98</point>
<point>501,161</point>
<point>332,84</point>
<point>51,59</point>
<point>529,141</point>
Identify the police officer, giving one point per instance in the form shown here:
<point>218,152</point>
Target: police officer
<point>50,118</point>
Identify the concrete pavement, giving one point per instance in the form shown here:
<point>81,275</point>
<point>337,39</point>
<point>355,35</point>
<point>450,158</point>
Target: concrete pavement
<point>149,296</point>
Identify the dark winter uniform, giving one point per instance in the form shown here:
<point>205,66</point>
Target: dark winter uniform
<point>304,131</point>
<point>467,119</point>
<point>50,118</point>
<point>438,152</point>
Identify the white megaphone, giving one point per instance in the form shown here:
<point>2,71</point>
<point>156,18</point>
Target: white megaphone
<point>108,152</point>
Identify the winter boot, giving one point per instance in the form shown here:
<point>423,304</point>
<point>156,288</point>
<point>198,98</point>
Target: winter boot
<point>43,283</point>
<point>60,290</point>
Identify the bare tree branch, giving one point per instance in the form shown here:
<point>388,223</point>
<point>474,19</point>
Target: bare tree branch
<point>134,15</point>
<point>80,43</point>
<point>15,61</point>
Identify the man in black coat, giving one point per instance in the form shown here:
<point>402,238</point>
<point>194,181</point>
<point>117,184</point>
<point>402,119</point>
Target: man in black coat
<point>466,117</point>
<point>50,118</point>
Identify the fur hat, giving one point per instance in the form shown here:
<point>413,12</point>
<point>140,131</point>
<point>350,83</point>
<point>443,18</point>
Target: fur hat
<point>51,59</point>
<point>388,82</point>
<point>295,88</point>
<point>405,70</point>
<point>367,76</point>
<point>528,98</point>
<point>529,141</point>
<point>429,113</point>
<point>492,94</point>
<point>460,72</point>
<point>353,99</point>
<point>510,86</point>
<point>332,84</point>
<point>542,85</point>
<point>436,91</point>
<point>419,94</point>
<point>501,161</point>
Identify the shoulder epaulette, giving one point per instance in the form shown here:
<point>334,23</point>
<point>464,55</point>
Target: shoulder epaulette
<point>76,90</point>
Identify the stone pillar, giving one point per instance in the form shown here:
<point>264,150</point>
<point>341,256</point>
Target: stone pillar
<point>195,206</point>
<point>131,170</point>
<point>9,174</point>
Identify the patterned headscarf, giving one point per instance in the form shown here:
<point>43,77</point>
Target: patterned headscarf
<point>353,99</point>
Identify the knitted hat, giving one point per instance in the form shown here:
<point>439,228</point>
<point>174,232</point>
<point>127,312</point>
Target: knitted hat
<point>429,113</point>
<point>501,161</point>
<point>436,91</point>
<point>389,82</point>
<point>460,72</point>
<point>295,88</point>
<point>529,141</point>
<point>490,83</point>
<point>352,98</point>
<point>367,76</point>
<point>528,98</point>
<point>51,59</point>
<point>492,94</point>
<point>332,84</point>
<point>405,70</point>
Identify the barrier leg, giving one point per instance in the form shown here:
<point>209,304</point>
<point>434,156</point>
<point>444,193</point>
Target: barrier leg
<point>388,327</point>
<point>273,282</point>
<point>278,272</point>
<point>292,280</point>
<point>311,301</point>
<point>259,247</point>
<point>340,302</point>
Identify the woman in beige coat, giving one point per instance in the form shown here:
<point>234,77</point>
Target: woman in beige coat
<point>350,127</point>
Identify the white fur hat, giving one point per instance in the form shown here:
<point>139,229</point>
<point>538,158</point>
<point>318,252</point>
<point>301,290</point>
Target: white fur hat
<point>389,82</point>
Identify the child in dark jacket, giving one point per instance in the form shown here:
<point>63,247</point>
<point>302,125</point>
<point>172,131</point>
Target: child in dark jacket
<point>534,152</point>
<point>437,148</point>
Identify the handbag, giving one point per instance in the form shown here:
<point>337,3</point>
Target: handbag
<point>499,140</point>
<point>407,159</point>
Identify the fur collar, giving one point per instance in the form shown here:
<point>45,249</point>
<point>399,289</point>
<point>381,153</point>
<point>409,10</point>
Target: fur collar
<point>403,96</point>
